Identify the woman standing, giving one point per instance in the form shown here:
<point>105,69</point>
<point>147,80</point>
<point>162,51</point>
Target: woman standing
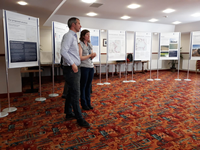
<point>87,68</point>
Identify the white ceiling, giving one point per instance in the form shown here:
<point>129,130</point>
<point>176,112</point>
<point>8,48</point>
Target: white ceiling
<point>111,9</point>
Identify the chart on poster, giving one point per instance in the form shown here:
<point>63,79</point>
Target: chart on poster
<point>142,46</point>
<point>21,34</point>
<point>169,46</point>
<point>58,30</point>
<point>195,45</point>
<point>116,48</point>
<point>94,39</point>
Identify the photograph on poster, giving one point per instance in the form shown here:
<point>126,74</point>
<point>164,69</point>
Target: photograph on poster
<point>173,40</point>
<point>164,54</point>
<point>172,53</point>
<point>196,50</point>
<point>104,42</point>
<point>164,47</point>
<point>173,46</point>
<point>95,40</point>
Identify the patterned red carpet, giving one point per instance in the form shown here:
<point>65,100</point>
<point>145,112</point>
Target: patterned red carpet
<point>145,115</point>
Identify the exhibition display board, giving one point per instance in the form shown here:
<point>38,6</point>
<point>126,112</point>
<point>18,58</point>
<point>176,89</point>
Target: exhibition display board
<point>195,45</point>
<point>58,30</point>
<point>21,35</point>
<point>169,46</point>
<point>95,40</point>
<point>116,47</point>
<point>142,46</point>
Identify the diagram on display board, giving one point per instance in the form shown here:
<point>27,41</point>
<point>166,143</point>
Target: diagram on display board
<point>142,46</point>
<point>195,46</point>
<point>169,46</point>
<point>115,46</point>
<point>116,49</point>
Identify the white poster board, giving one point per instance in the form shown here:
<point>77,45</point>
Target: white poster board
<point>116,45</point>
<point>21,35</point>
<point>169,46</point>
<point>58,30</point>
<point>94,39</point>
<point>142,46</point>
<point>195,46</point>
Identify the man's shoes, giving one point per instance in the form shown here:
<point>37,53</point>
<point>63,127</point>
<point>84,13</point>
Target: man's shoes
<point>81,122</point>
<point>63,96</point>
<point>85,108</point>
<point>90,107</point>
<point>70,116</point>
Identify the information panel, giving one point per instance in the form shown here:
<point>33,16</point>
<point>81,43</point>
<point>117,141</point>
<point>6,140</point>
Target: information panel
<point>142,46</point>
<point>94,39</point>
<point>169,46</point>
<point>116,48</point>
<point>21,35</point>
<point>195,46</point>
<point>58,30</point>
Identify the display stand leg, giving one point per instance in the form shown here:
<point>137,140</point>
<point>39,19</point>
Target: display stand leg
<point>100,75</point>
<point>9,109</point>
<point>106,83</point>
<point>53,94</point>
<point>40,99</point>
<point>188,72</point>
<point>126,81</point>
<point>157,79</point>
<point>2,114</point>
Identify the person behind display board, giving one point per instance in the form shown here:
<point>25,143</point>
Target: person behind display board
<point>87,68</point>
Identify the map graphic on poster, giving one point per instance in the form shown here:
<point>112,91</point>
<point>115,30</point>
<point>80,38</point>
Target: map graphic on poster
<point>142,46</point>
<point>116,49</point>
<point>21,40</point>
<point>169,46</point>
<point>115,46</point>
<point>195,46</point>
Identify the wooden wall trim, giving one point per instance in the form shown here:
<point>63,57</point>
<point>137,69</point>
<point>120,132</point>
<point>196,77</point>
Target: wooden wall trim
<point>5,95</point>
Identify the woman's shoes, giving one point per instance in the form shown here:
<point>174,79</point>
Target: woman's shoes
<point>87,107</point>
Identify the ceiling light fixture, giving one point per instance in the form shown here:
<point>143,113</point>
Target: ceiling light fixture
<point>125,17</point>
<point>169,10</point>
<point>22,3</point>
<point>153,20</point>
<point>195,15</point>
<point>176,22</point>
<point>88,1</point>
<point>133,6</point>
<point>91,14</point>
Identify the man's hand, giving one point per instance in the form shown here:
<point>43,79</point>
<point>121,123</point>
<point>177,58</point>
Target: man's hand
<point>74,68</point>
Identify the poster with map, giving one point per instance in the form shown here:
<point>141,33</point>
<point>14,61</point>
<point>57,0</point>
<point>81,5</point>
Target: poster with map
<point>169,46</point>
<point>116,48</point>
<point>195,45</point>
<point>142,46</point>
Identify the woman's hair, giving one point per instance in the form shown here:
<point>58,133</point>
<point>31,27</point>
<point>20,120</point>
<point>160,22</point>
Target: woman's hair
<point>83,33</point>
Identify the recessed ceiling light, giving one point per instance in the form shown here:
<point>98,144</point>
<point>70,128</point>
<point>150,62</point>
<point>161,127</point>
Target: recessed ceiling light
<point>195,15</point>
<point>133,6</point>
<point>91,14</point>
<point>125,17</point>
<point>176,22</point>
<point>153,20</point>
<point>88,1</point>
<point>22,3</point>
<point>169,10</point>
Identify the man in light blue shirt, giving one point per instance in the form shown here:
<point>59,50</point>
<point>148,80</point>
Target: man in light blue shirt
<point>71,71</point>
